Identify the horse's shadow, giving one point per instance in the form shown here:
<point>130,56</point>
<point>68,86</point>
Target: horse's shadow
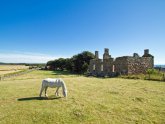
<point>38,98</point>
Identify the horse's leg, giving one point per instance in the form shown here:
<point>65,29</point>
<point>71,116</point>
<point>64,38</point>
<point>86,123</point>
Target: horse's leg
<point>42,88</point>
<point>45,91</point>
<point>56,93</point>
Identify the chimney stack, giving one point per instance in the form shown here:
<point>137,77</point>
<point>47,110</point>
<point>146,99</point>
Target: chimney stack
<point>106,54</point>
<point>146,51</point>
<point>106,50</point>
<point>96,54</point>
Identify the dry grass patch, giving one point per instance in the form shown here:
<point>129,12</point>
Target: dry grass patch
<point>5,69</point>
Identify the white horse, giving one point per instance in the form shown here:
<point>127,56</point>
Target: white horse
<point>53,83</point>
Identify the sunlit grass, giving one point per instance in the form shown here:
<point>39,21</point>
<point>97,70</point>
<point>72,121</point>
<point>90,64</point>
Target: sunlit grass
<point>5,69</point>
<point>90,100</point>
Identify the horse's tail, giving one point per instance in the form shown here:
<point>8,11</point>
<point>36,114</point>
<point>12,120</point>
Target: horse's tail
<point>64,88</point>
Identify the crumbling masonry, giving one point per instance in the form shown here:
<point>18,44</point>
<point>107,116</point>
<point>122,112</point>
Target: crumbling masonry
<point>121,65</point>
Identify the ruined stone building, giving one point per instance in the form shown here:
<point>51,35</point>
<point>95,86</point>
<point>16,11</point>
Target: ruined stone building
<point>121,65</point>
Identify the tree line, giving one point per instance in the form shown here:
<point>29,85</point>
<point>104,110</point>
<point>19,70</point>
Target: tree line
<point>76,64</point>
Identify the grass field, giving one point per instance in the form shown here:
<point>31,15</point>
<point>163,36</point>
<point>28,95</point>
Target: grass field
<point>5,69</point>
<point>90,100</point>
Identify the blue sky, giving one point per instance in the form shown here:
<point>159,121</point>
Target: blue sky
<point>40,30</point>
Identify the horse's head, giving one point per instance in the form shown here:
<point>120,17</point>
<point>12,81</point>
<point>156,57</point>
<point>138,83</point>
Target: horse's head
<point>64,89</point>
<point>65,93</point>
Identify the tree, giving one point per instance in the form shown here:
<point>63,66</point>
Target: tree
<point>69,64</point>
<point>50,64</point>
<point>61,63</point>
<point>77,64</point>
<point>81,61</point>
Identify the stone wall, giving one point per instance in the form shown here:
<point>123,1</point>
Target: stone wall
<point>121,65</point>
<point>107,65</point>
<point>133,65</point>
<point>95,66</point>
<point>139,65</point>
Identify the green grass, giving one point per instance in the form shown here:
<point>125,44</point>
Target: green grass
<point>90,100</point>
<point>160,76</point>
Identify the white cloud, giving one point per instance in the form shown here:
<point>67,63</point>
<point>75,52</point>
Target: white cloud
<point>26,57</point>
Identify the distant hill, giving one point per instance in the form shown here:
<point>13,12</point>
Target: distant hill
<point>28,64</point>
<point>162,66</point>
<point>1,63</point>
